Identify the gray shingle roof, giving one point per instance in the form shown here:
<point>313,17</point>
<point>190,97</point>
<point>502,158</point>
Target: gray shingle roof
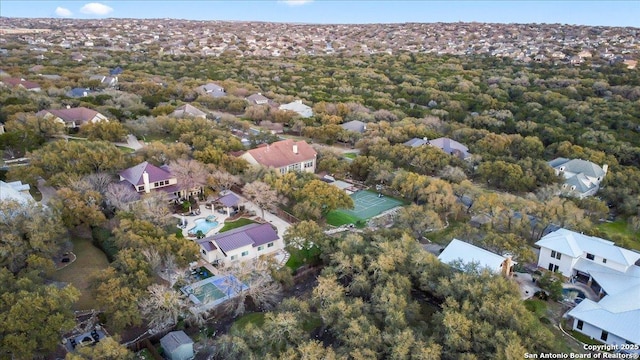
<point>133,175</point>
<point>174,340</point>
<point>252,234</point>
<point>229,200</point>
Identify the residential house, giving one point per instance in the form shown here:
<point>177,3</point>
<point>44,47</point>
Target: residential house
<point>186,111</point>
<point>241,244</point>
<point>274,128</point>
<point>460,254</point>
<point>299,108</point>
<point>20,82</point>
<point>582,177</point>
<point>15,191</point>
<point>116,71</point>
<point>177,345</point>
<point>355,126</point>
<point>211,89</point>
<point>610,271</point>
<point>146,177</point>
<point>257,99</point>
<point>73,117</point>
<point>451,147</point>
<point>417,142</point>
<point>284,156</point>
<point>79,92</point>
<point>108,81</point>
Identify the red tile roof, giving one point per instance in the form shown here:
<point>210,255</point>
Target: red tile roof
<point>280,153</point>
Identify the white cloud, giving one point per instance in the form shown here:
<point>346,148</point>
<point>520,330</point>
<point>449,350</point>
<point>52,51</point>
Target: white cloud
<point>296,2</point>
<point>60,11</point>
<point>96,9</point>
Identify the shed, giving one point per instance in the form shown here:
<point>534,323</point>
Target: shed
<point>177,346</point>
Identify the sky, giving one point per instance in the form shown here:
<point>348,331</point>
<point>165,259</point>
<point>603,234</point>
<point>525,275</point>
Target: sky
<point>607,13</point>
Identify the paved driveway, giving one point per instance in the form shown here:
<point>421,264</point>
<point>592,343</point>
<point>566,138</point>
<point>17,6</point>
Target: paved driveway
<point>47,191</point>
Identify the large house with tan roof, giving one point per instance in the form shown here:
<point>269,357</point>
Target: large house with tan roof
<point>284,156</point>
<point>73,117</point>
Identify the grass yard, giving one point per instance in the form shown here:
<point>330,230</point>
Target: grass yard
<point>253,318</point>
<point>297,257</point>
<point>619,228</point>
<point>337,218</point>
<point>443,236</point>
<point>350,155</point>
<point>89,260</point>
<point>236,224</point>
<point>125,150</point>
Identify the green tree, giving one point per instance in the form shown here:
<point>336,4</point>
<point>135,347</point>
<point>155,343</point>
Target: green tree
<point>107,349</point>
<point>104,130</point>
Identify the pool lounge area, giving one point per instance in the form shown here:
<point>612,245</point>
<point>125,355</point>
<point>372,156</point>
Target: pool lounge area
<point>213,291</point>
<point>204,224</point>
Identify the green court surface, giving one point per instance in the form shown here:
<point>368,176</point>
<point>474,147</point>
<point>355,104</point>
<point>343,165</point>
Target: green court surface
<point>366,204</point>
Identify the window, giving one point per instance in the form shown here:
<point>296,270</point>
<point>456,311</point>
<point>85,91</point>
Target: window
<point>555,254</point>
<point>308,164</point>
<point>245,253</point>
<point>270,245</point>
<point>604,261</point>
<point>579,325</point>
<point>156,184</point>
<point>604,336</point>
<point>141,188</point>
<point>261,247</point>
<point>204,252</point>
<point>283,170</point>
<point>590,256</point>
<point>553,267</point>
<point>558,256</point>
<point>234,257</point>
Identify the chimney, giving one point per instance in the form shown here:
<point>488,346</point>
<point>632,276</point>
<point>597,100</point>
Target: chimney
<point>295,148</point>
<point>68,106</point>
<point>605,168</point>
<point>145,178</point>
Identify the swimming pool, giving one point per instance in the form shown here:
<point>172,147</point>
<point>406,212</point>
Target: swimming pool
<point>204,225</point>
<point>214,290</point>
<point>579,293</point>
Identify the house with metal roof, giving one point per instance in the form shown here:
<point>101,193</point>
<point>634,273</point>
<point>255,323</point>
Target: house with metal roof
<point>146,177</point>
<point>356,126</point>
<point>211,89</point>
<point>284,156</point>
<point>582,177</point>
<point>15,191</point>
<point>610,271</point>
<point>241,244</point>
<point>461,254</point>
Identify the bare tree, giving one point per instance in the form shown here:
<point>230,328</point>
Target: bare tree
<point>262,195</point>
<point>162,306</point>
<point>223,180</point>
<point>260,287</point>
<point>153,207</point>
<point>191,174</point>
<point>120,196</point>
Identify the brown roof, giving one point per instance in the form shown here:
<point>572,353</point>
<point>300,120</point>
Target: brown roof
<point>18,81</point>
<point>280,153</point>
<point>79,115</point>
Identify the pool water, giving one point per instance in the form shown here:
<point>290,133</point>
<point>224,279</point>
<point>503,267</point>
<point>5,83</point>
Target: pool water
<point>203,225</point>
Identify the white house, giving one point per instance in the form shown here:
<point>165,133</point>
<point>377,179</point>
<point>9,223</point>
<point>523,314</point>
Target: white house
<point>177,345</point>
<point>241,244</point>
<point>582,177</point>
<point>610,271</point>
<point>15,191</point>
<point>459,252</point>
<point>299,108</point>
<point>284,156</point>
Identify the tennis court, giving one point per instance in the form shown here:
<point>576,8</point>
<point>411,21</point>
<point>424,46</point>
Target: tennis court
<point>366,204</point>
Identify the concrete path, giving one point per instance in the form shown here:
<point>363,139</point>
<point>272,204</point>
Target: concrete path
<point>47,191</point>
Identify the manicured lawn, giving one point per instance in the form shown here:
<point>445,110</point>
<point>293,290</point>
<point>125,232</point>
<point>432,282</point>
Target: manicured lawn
<point>620,228</point>
<point>584,338</point>
<point>236,224</point>
<point>337,218</point>
<point>350,155</point>
<point>125,149</point>
<point>297,257</point>
<point>442,237</point>
<point>89,260</point>
<point>538,307</point>
<point>254,318</point>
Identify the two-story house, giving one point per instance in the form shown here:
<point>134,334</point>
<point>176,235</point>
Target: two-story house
<point>284,156</point>
<point>241,244</point>
<point>146,177</point>
<point>582,177</point>
<point>610,271</point>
